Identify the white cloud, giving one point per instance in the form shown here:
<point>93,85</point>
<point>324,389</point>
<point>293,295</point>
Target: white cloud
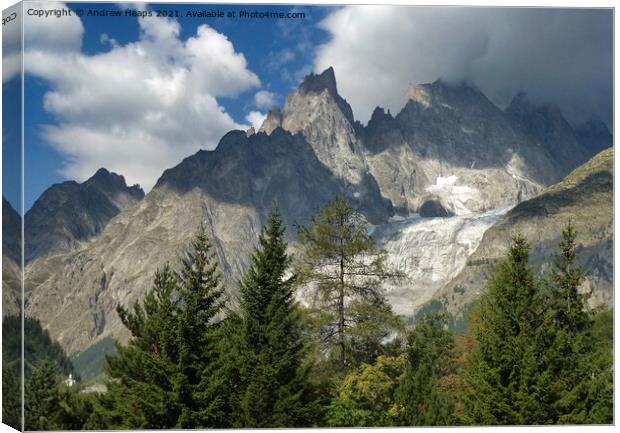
<point>141,107</point>
<point>11,43</point>
<point>265,100</point>
<point>277,60</point>
<point>256,119</point>
<point>560,56</point>
<point>49,34</point>
<point>52,34</point>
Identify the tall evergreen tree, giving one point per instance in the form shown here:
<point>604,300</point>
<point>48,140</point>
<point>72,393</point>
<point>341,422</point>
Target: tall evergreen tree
<point>43,400</point>
<point>271,347</point>
<point>346,269</point>
<point>580,361</point>
<point>164,377</point>
<point>507,378</point>
<point>202,296</point>
<point>569,305</point>
<point>430,358</point>
<point>141,390</point>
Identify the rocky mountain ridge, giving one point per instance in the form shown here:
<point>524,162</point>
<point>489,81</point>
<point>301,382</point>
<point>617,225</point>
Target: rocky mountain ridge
<point>70,212</point>
<point>450,151</point>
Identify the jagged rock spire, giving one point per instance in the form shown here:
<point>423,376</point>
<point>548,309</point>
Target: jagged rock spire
<point>319,82</point>
<point>273,121</point>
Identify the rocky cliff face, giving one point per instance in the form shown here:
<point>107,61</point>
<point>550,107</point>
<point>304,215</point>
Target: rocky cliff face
<point>325,119</point>
<point>451,145</point>
<point>585,197</point>
<point>594,135</point>
<point>11,256</point>
<point>450,156</point>
<point>545,126</point>
<point>11,232</point>
<point>70,212</point>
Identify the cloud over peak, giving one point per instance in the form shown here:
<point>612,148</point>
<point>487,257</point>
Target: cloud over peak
<point>560,56</point>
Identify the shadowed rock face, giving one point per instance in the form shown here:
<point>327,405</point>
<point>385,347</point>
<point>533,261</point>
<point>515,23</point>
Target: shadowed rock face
<point>11,232</point>
<point>70,212</point>
<point>447,131</point>
<point>545,126</point>
<point>11,257</point>
<point>433,209</point>
<point>496,158</point>
<point>594,135</point>
<point>585,197</point>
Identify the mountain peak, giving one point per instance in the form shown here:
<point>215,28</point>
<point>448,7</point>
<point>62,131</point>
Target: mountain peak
<point>103,176</point>
<point>108,180</point>
<point>318,82</point>
<point>76,211</point>
<point>379,115</point>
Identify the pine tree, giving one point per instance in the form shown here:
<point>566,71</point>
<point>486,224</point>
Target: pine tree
<point>42,402</point>
<point>569,305</point>
<point>271,347</point>
<point>141,391</point>
<point>345,269</point>
<point>421,399</point>
<point>165,376</point>
<point>202,296</point>
<point>580,362</point>
<point>540,358</point>
<point>507,378</point>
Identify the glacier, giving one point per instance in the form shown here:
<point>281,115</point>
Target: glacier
<point>429,252</point>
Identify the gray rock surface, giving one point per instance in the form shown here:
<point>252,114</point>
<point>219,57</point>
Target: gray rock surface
<point>11,257</point>
<point>450,140</point>
<point>70,212</point>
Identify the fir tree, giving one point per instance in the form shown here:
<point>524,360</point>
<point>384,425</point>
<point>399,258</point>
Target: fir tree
<point>344,267</point>
<point>271,347</point>
<point>42,402</point>
<point>141,390</point>
<point>580,362</point>
<point>421,399</point>
<point>164,377</point>
<point>539,358</point>
<point>506,377</point>
<point>202,297</point>
<point>568,305</point>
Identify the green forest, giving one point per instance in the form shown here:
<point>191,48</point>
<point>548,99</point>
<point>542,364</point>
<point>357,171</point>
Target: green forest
<point>533,352</point>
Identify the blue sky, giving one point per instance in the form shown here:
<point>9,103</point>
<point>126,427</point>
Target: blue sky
<point>138,95</point>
